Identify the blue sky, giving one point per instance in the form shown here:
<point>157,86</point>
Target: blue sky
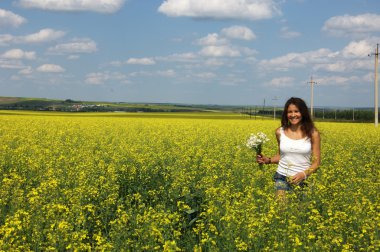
<point>235,52</point>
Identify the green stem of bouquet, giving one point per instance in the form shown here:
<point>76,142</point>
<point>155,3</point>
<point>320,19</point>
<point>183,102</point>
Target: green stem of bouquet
<point>258,152</point>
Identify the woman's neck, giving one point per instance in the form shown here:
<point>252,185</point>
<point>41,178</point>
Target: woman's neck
<point>296,127</point>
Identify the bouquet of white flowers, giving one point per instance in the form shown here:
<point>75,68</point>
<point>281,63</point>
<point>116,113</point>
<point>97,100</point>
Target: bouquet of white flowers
<point>256,141</point>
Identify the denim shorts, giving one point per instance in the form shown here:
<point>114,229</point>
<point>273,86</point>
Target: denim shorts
<point>281,183</point>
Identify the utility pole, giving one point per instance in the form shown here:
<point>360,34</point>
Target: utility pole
<point>312,96</point>
<point>376,85</point>
<point>274,107</point>
<point>264,109</point>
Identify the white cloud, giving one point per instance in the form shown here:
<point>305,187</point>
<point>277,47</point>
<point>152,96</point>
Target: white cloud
<point>95,78</point>
<point>369,77</point>
<point>232,80</point>
<point>298,60</point>
<point>102,6</point>
<point>99,78</point>
<point>239,32</point>
<point>215,45</point>
<point>219,51</point>
<point>352,25</point>
<point>213,62</point>
<point>6,39</point>
<point>347,65</point>
<point>337,80</point>
<point>73,57</point>
<point>351,58</point>
<point>288,34</point>
<point>140,73</point>
<point>26,71</point>
<point>141,61</point>
<point>280,82</point>
<point>357,49</point>
<point>76,46</point>
<point>116,63</point>
<point>212,39</point>
<point>180,57</point>
<point>10,19</point>
<point>18,54</point>
<point>205,75</point>
<point>50,68</point>
<point>44,35</point>
<point>11,64</point>
<point>167,73</point>
<point>247,51</point>
<point>221,9</point>
<point>339,66</point>
<point>133,61</point>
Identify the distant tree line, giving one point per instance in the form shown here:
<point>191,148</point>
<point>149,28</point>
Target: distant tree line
<point>361,115</point>
<point>328,114</point>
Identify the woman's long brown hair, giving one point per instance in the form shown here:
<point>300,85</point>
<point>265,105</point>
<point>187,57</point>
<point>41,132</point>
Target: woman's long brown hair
<point>307,125</point>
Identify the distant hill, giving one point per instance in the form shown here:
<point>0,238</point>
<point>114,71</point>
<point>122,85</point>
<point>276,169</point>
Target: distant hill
<point>42,104</point>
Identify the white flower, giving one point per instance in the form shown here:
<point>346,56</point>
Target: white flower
<point>255,141</point>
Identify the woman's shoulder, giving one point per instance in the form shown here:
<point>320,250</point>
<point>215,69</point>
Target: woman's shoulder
<point>315,133</point>
<point>278,131</point>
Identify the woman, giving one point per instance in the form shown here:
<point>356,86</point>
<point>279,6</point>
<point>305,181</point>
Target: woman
<point>298,147</point>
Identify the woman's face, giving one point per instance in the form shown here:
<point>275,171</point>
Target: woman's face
<point>294,115</point>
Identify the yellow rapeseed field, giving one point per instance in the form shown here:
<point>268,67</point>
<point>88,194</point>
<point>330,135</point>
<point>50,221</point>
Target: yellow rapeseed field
<point>150,182</point>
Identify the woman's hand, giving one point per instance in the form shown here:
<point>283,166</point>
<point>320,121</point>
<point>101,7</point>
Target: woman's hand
<point>261,159</point>
<point>298,178</point>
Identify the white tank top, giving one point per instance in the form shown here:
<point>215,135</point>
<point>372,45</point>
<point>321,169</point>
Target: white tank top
<point>295,155</point>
